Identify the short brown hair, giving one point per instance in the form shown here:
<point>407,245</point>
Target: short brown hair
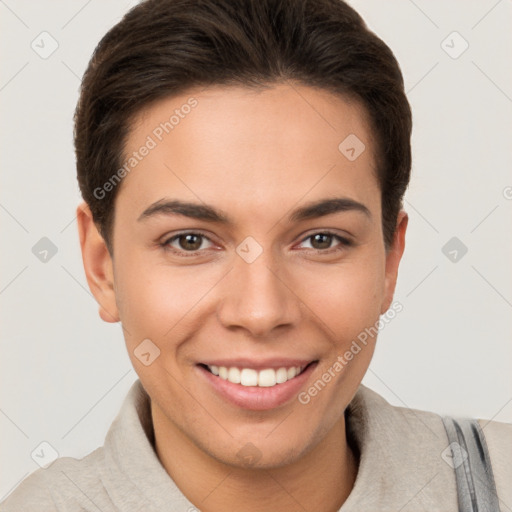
<point>162,48</point>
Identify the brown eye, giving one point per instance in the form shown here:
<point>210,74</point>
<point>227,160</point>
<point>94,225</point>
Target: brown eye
<point>190,242</point>
<point>186,242</point>
<point>321,241</point>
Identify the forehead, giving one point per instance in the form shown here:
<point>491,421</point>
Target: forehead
<point>251,150</point>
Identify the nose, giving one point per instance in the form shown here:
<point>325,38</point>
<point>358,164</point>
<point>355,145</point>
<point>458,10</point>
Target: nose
<point>258,298</point>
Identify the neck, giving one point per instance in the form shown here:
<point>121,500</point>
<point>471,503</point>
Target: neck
<point>325,475</point>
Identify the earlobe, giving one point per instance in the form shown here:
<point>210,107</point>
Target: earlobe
<point>97,264</point>
<point>393,257</point>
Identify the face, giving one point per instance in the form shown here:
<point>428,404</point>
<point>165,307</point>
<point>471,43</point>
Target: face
<point>248,249</point>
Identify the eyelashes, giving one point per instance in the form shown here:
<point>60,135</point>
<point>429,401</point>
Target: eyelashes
<point>344,242</point>
<point>193,237</point>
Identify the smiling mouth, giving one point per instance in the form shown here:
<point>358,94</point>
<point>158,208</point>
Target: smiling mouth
<point>250,377</point>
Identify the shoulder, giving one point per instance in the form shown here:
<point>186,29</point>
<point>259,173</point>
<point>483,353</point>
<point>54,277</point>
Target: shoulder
<point>498,438</point>
<point>419,439</point>
<point>32,493</point>
<point>403,421</point>
<point>62,486</point>
<point>400,452</point>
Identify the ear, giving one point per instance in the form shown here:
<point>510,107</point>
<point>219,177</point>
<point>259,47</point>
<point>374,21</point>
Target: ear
<point>97,264</point>
<point>393,257</point>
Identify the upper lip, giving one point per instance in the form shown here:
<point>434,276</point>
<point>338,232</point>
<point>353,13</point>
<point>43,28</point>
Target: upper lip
<point>260,364</point>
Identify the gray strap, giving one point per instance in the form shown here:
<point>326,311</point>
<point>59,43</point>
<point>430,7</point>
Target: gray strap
<point>476,489</point>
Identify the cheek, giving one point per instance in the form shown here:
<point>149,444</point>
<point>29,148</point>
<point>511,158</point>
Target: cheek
<point>347,298</point>
<point>155,299</point>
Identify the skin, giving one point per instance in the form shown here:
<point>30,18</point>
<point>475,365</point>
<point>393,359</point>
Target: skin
<point>255,155</point>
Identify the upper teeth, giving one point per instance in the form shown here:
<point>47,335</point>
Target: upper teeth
<point>250,377</point>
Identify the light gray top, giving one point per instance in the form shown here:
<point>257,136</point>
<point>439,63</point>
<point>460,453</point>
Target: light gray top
<point>401,465</point>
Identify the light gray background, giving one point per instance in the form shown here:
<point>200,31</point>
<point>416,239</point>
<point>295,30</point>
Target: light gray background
<point>64,373</point>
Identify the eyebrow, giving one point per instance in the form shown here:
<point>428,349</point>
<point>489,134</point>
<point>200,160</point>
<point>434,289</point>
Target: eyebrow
<point>207,213</point>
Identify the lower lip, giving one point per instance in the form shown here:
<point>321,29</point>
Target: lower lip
<point>257,398</point>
